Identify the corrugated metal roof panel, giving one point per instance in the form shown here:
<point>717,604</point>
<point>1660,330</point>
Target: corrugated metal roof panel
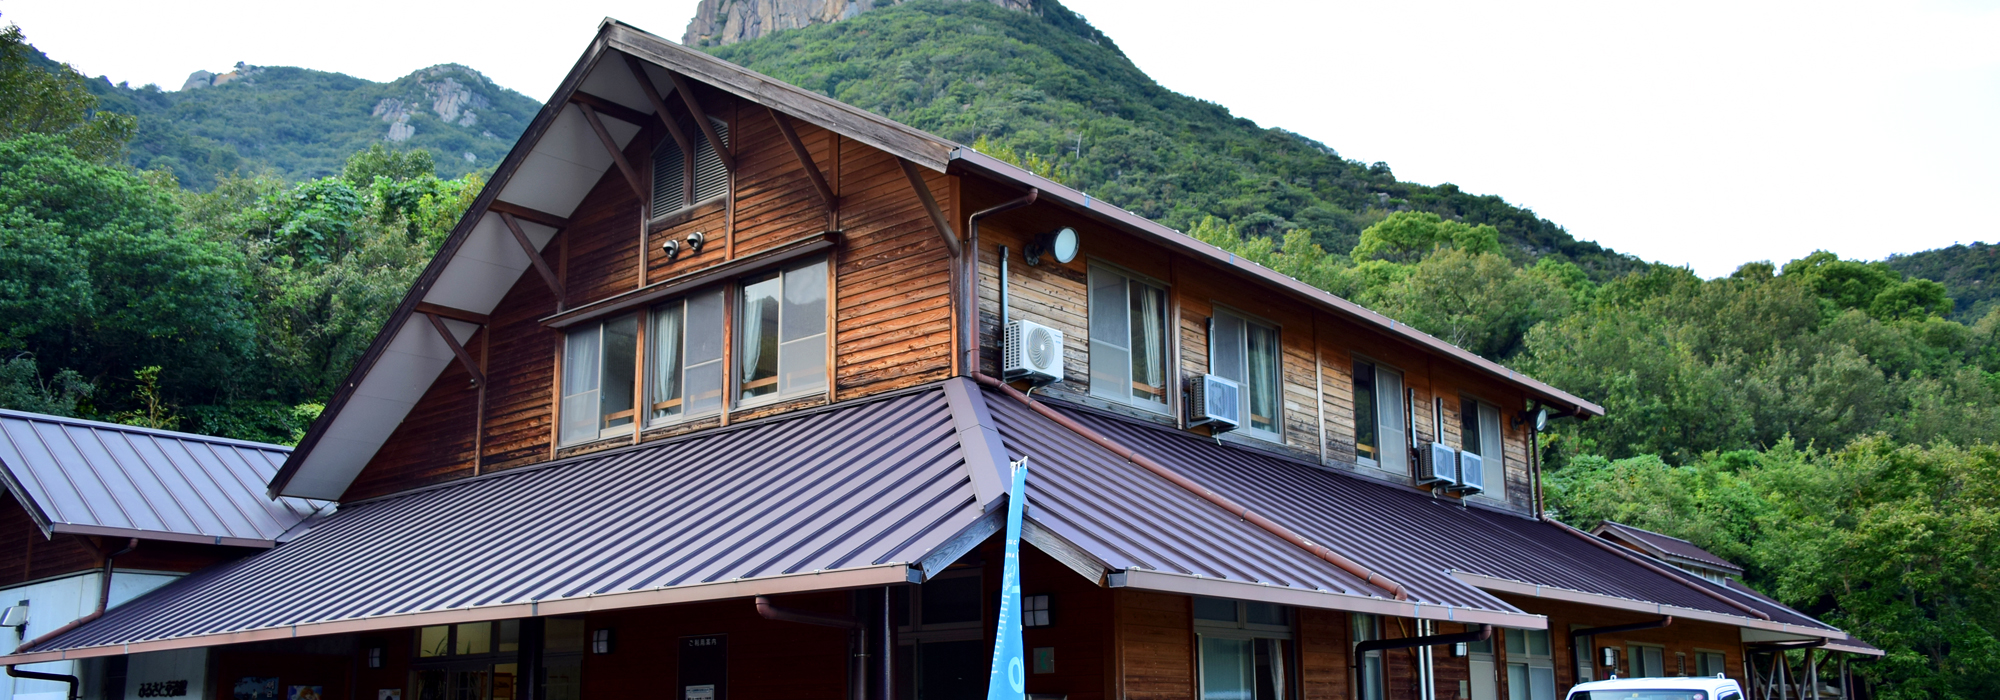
<point>89,477</point>
<point>1670,546</point>
<point>876,484</point>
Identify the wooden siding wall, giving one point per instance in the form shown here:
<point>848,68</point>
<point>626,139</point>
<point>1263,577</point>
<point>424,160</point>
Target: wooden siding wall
<point>1323,655</point>
<point>1319,349</point>
<point>1155,645</point>
<point>892,316</point>
<point>1683,637</point>
<point>25,555</point>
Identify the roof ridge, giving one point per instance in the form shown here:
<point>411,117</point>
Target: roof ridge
<point>157,432</point>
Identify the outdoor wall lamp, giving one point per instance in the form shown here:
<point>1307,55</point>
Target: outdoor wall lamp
<point>1060,244</point>
<point>671,248</point>
<point>694,243</point>
<point>600,641</point>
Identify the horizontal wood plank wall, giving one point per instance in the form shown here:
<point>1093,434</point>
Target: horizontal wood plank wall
<point>1448,671</point>
<point>892,318</point>
<point>434,443</point>
<point>25,555</point>
<point>520,377</point>
<point>1337,382</point>
<point>604,235</point>
<point>1684,636</point>
<point>776,202</point>
<point>767,659</point>
<point>1323,655</point>
<point>1052,294</point>
<point>1155,645</point>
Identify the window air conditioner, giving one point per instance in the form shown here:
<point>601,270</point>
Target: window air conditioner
<point>1213,401</point>
<point>1471,474</point>
<point>1033,352</point>
<point>1439,465</point>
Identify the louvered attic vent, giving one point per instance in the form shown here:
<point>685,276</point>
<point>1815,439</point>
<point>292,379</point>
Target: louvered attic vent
<point>671,190</point>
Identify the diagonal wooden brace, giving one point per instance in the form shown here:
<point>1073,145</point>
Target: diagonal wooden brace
<point>805,159</point>
<point>659,105</point>
<point>701,120</point>
<point>930,205</point>
<point>534,256</point>
<point>478,377</point>
<point>611,146</point>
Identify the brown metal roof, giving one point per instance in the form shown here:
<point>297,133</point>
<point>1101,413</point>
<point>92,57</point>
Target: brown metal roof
<point>84,477</point>
<point>821,500</point>
<point>1665,547</point>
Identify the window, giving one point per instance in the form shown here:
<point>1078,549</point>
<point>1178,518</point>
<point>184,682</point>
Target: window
<point>941,644</point>
<point>1244,649</point>
<point>470,661</point>
<point>1646,661</point>
<point>1485,678</point>
<point>1247,352</point>
<point>1368,628</point>
<point>1531,671</point>
<point>599,364</point>
<point>562,658</point>
<point>1711,664</point>
<point>1128,339</point>
<point>781,334</point>
<point>1378,417</point>
<point>685,340</point>
<point>1480,434</point>
<point>1035,611</point>
<point>679,184</point>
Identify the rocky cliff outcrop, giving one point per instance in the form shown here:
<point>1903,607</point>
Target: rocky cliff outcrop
<point>720,22</point>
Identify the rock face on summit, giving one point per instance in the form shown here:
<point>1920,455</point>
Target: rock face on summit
<point>721,22</point>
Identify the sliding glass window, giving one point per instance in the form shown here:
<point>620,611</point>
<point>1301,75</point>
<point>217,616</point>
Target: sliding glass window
<point>1128,339</point>
<point>1378,417</point>
<point>1247,352</point>
<point>685,342</point>
<point>1244,650</point>
<point>781,334</point>
<point>1479,433</point>
<point>600,361</point>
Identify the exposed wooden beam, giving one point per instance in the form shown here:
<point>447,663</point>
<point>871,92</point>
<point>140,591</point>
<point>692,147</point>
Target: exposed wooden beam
<point>659,104</point>
<point>701,120</point>
<point>534,256</point>
<point>930,205</point>
<point>611,109</point>
<point>425,307</point>
<point>535,215</point>
<point>805,158</point>
<point>471,366</point>
<point>617,155</point>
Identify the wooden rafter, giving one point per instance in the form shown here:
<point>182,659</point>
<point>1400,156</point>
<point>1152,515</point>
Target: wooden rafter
<point>611,109</point>
<point>701,120</point>
<point>611,146</point>
<point>534,256</point>
<point>471,366</point>
<point>535,215</point>
<point>805,159</point>
<point>930,205</point>
<point>425,307</point>
<point>659,104</point>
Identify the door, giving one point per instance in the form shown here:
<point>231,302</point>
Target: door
<point>1485,680</point>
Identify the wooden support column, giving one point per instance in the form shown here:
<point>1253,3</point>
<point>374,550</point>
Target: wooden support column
<point>534,256</point>
<point>611,146</point>
<point>930,205</point>
<point>805,160</point>
<point>464,357</point>
<point>660,106</point>
<point>701,120</point>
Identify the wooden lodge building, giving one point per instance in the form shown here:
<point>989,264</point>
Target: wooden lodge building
<point>713,392</point>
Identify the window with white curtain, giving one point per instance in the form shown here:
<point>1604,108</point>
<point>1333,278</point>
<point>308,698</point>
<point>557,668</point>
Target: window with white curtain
<point>684,338</point>
<point>1247,352</point>
<point>1479,433</point>
<point>600,371</point>
<point>1128,339</point>
<point>781,334</point>
<point>1378,417</point>
<point>1244,649</point>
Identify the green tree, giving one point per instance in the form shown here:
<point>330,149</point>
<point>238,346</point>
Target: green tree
<point>54,100</point>
<point>1409,236</point>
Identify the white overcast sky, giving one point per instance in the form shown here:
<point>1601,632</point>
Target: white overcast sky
<point>1692,132</point>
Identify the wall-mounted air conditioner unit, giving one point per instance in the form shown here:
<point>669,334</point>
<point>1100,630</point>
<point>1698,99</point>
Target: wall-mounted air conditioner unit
<point>1438,465</point>
<point>1033,352</point>
<point>1471,474</point>
<point>1213,401</point>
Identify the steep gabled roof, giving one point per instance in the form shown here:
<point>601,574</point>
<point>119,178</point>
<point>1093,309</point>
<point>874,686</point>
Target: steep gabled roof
<point>83,477</point>
<point>559,158</point>
<point>1664,547</point>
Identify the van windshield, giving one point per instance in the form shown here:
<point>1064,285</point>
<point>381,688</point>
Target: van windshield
<point>1639,695</point>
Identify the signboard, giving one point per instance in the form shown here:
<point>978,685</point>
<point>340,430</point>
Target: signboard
<point>1009,678</point>
<point>704,668</point>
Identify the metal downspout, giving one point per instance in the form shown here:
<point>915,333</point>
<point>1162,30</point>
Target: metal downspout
<point>857,634</point>
<point>968,278</point>
<point>1362,650</point>
<point>103,601</point>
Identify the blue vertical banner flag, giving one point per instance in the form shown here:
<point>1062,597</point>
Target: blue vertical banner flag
<point>1009,680</point>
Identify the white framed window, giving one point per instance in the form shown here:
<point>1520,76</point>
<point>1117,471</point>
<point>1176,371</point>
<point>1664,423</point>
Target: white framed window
<point>781,334</point>
<point>1247,352</point>
<point>1484,681</point>
<point>600,365</point>
<point>679,183</point>
<point>1479,433</point>
<point>1244,649</point>
<point>1531,670</point>
<point>1378,417</point>
<point>1128,339</point>
<point>684,342</point>
<point>1368,628</point>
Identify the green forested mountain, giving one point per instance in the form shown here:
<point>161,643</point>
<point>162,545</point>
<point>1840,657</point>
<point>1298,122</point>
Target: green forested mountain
<point>300,124</point>
<point>1971,272</point>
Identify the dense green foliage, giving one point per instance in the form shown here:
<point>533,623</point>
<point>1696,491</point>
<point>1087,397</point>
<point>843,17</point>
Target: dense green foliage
<point>1971,272</point>
<point>1047,85</point>
<point>299,124</point>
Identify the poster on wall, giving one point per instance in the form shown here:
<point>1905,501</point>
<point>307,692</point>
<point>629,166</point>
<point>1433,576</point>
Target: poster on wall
<point>704,668</point>
<point>257,688</point>
<point>304,692</point>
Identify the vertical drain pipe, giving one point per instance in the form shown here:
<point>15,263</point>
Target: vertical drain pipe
<point>888,660</point>
<point>103,601</point>
<point>969,279</point>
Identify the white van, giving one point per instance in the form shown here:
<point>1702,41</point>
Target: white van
<point>1658,689</point>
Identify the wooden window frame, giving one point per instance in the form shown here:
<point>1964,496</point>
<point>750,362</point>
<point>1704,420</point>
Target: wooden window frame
<point>734,296</point>
<point>1494,490</point>
<point>1168,331</point>
<point>1245,427</point>
<point>1376,403</point>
